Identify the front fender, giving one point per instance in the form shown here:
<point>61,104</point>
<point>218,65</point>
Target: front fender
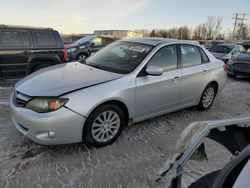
<point>84,101</point>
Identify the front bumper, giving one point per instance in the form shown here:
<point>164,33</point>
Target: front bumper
<point>59,127</point>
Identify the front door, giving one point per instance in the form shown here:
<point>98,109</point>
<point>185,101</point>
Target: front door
<point>156,94</point>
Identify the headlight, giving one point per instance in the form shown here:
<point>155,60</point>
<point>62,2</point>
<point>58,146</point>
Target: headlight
<point>43,105</point>
<point>71,50</point>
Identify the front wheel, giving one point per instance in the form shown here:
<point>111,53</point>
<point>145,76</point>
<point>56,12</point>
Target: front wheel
<point>104,125</point>
<point>207,97</point>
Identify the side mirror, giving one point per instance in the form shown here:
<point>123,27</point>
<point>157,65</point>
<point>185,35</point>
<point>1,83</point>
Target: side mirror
<point>92,44</point>
<point>154,70</point>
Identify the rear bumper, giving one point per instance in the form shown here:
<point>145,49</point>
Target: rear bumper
<point>59,127</point>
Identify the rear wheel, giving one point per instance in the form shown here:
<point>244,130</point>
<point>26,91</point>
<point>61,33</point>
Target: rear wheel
<point>81,57</point>
<point>207,97</point>
<point>104,125</point>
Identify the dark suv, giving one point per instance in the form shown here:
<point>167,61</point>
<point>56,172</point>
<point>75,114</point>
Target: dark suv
<point>84,47</point>
<point>24,50</point>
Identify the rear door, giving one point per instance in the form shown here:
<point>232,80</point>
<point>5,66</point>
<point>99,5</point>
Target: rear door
<point>156,94</point>
<point>15,47</point>
<point>194,70</point>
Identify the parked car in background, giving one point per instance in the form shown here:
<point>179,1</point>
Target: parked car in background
<point>126,82</point>
<point>24,50</point>
<point>211,43</point>
<point>239,65</point>
<point>84,47</point>
<point>226,50</point>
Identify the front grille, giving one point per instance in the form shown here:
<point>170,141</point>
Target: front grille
<point>20,99</point>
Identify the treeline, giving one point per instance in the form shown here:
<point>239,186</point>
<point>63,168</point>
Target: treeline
<point>210,30</point>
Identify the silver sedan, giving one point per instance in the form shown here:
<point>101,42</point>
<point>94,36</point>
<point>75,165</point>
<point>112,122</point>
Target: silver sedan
<point>126,82</point>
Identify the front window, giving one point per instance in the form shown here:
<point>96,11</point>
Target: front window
<point>119,57</point>
<point>221,49</point>
<point>166,58</point>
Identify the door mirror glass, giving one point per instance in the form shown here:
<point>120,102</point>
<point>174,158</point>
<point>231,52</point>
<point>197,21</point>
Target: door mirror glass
<point>154,70</point>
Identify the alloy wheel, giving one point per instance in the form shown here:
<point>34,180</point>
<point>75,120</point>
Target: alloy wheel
<point>208,97</point>
<point>105,126</point>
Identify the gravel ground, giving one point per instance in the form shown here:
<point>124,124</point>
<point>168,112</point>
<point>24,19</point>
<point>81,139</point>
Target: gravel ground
<point>131,162</point>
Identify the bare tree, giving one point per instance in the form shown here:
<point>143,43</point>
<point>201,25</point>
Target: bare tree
<point>145,32</point>
<point>213,26</point>
<point>183,33</point>
<point>200,32</point>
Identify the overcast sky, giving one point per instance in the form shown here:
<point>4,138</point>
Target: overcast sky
<point>84,16</point>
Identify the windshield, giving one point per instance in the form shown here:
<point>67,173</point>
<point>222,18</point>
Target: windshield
<point>84,40</point>
<point>221,49</point>
<point>119,57</point>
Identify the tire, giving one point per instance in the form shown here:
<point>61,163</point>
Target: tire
<point>231,75</point>
<point>81,57</point>
<point>98,130</point>
<point>41,66</point>
<point>207,97</point>
<point>205,181</point>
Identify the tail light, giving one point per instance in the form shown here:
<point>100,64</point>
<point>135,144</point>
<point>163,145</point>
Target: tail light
<point>225,67</point>
<point>65,54</point>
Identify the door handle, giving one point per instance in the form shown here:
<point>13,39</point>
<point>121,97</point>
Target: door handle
<point>204,71</point>
<point>175,78</point>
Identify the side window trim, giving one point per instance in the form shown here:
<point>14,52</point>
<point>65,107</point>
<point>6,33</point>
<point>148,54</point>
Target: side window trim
<point>202,56</point>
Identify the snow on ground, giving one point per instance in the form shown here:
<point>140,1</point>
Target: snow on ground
<point>131,162</point>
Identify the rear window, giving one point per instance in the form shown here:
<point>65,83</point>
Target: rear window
<point>45,39</point>
<point>10,39</point>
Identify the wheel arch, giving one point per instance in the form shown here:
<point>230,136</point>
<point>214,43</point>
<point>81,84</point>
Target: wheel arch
<point>117,102</point>
<point>37,59</point>
<point>212,82</point>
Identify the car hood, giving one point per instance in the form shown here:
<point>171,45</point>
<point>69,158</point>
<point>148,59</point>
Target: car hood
<point>63,78</point>
<point>218,55</point>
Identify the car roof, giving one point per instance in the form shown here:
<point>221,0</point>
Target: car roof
<point>156,41</point>
<point>2,26</point>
